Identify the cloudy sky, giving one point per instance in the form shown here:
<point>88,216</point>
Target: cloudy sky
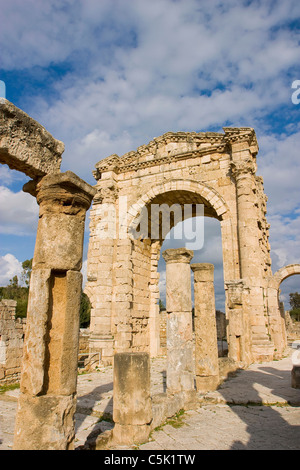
<point>105,76</point>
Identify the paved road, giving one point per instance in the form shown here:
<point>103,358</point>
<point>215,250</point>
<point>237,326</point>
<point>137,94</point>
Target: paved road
<point>255,410</point>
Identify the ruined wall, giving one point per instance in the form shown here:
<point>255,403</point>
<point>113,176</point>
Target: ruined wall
<point>292,327</point>
<point>11,342</point>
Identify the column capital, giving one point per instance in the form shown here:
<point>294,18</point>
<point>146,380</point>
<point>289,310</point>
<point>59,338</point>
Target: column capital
<point>203,271</point>
<point>178,255</point>
<point>65,190</point>
<point>243,168</point>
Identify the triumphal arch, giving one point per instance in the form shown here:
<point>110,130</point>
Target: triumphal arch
<point>215,171</point>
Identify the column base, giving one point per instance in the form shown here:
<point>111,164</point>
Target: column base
<point>45,422</point>
<point>263,352</point>
<point>125,434</point>
<point>207,383</point>
<point>103,345</point>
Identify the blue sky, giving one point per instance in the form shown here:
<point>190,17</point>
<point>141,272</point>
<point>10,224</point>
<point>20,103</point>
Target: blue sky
<point>105,76</point>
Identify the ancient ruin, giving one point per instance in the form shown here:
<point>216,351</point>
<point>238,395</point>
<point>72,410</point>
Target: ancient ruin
<point>137,199</point>
<point>49,367</point>
<point>11,342</point>
<point>212,170</point>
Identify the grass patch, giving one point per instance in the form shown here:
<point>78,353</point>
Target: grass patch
<point>8,387</point>
<point>106,417</point>
<point>176,421</point>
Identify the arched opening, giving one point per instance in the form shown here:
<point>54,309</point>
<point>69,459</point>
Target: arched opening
<point>289,303</point>
<point>176,219</point>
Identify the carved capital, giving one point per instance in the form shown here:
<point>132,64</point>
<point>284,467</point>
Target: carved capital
<point>61,193</point>
<point>203,272</point>
<point>178,255</point>
<point>108,193</point>
<point>235,293</point>
<point>241,168</point>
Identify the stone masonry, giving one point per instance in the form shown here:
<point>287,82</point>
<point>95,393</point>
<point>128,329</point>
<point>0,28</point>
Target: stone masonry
<point>47,401</point>
<point>214,170</point>
<point>11,342</point>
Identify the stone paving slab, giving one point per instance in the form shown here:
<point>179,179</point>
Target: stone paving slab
<point>224,427</point>
<point>266,382</point>
<point>255,409</point>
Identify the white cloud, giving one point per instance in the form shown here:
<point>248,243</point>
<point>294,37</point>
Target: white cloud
<point>10,266</point>
<point>154,67</point>
<point>18,213</point>
<point>84,273</point>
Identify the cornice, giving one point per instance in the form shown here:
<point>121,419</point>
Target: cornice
<point>150,155</point>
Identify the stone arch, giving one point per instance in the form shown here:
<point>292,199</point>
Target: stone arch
<point>216,169</point>
<point>192,192</point>
<point>285,272</point>
<point>209,195</point>
<point>277,326</point>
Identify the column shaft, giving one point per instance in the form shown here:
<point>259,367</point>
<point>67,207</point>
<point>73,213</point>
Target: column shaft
<point>47,402</point>
<point>180,370</point>
<point>206,346</point>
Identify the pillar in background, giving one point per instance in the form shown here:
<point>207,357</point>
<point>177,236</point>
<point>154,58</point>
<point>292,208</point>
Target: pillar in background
<point>132,411</point>
<point>47,402</point>
<point>180,370</point>
<point>206,345</point>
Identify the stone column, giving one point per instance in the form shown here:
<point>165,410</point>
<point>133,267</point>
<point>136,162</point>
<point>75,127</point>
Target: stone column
<point>180,361</point>
<point>154,316</point>
<point>206,345</point>
<point>132,411</point>
<point>238,333</point>
<point>47,402</point>
<point>101,258</point>
<point>276,320</point>
<point>251,255</point>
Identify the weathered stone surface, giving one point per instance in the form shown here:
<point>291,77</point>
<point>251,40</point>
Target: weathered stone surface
<point>206,346</point>
<point>25,145</point>
<point>63,199</point>
<point>180,368</point>
<point>132,411</point>
<point>49,422</point>
<point>178,292</point>
<point>217,170</point>
<point>11,342</point>
<point>132,404</point>
<point>50,360</point>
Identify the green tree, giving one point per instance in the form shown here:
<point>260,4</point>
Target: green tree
<point>14,282</point>
<point>295,305</point>
<point>15,292</point>
<point>26,273</point>
<point>85,311</point>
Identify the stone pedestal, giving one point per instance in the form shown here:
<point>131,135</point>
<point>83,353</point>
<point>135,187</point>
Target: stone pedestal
<point>206,344</point>
<point>47,402</point>
<point>180,361</point>
<point>132,411</point>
